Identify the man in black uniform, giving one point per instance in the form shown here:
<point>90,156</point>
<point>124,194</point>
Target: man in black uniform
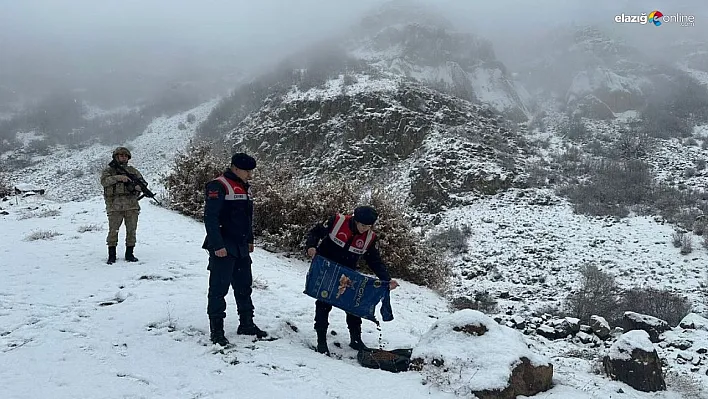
<point>228,218</point>
<point>344,239</point>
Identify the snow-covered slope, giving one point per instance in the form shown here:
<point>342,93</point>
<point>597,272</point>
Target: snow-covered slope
<point>385,129</point>
<point>73,327</point>
<point>72,174</point>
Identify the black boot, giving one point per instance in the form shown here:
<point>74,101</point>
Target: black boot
<point>356,342</point>
<point>129,257</point>
<point>247,327</point>
<point>217,332</point>
<point>322,342</point>
<point>111,255</point>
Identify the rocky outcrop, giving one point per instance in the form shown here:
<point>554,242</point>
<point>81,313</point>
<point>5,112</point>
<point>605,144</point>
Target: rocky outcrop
<point>652,325</point>
<point>487,360</point>
<point>376,125</point>
<point>634,361</point>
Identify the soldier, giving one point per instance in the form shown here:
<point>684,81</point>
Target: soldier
<point>121,196</point>
<point>345,239</point>
<point>228,218</point>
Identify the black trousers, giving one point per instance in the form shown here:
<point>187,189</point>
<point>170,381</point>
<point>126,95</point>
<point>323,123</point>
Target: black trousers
<point>234,272</point>
<point>322,310</point>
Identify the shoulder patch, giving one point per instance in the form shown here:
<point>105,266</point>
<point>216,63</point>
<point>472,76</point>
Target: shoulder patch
<point>213,194</point>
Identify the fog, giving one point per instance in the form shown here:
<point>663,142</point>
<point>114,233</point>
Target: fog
<point>118,51</point>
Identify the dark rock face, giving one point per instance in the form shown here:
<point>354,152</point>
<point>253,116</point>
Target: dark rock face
<point>526,379</point>
<point>642,371</point>
<point>461,147</point>
<point>653,326</point>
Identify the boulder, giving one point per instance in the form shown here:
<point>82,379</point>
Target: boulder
<point>468,351</point>
<point>652,325</point>
<point>633,360</point>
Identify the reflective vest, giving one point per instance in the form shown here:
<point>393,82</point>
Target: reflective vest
<point>341,234</point>
<point>234,190</point>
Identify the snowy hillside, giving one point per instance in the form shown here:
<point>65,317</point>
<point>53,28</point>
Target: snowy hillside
<point>384,127</point>
<point>71,174</point>
<point>73,327</point>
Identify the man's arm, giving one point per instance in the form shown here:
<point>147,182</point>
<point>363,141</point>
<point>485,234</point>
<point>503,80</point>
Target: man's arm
<point>373,259</point>
<point>317,232</point>
<point>213,202</point>
<point>108,178</point>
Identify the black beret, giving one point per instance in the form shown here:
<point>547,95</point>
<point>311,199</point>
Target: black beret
<point>243,161</point>
<point>365,215</point>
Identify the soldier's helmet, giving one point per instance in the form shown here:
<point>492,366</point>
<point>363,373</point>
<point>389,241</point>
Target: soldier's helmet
<point>121,150</point>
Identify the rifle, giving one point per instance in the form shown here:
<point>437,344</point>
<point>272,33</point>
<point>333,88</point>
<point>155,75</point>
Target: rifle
<point>135,181</point>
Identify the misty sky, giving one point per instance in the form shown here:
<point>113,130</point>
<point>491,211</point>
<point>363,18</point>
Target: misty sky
<point>80,40</point>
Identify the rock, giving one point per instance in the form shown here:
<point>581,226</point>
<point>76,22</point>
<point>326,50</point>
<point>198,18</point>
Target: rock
<point>518,322</point>
<point>600,327</point>
<point>693,321</point>
<point>652,325</point>
<point>547,331</point>
<point>634,361</point>
<point>682,344</point>
<point>526,379</point>
<point>487,360</point>
<point>574,324</point>
<point>585,338</point>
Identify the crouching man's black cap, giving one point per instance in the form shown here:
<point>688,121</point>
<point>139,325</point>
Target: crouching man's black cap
<point>243,161</point>
<point>365,215</point>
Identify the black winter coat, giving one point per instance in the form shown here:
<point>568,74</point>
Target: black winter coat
<point>328,249</point>
<point>229,224</point>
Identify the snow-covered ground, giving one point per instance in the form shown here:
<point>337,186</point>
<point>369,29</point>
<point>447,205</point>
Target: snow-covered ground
<point>73,327</point>
<point>533,247</point>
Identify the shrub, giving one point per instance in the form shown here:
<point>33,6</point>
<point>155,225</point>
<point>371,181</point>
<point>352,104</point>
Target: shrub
<point>632,144</point>
<point>39,147</point>
<point>686,244</point>
<point>89,227</point>
<point>42,235</point>
<point>598,294</point>
<point>677,238</point>
<point>286,209</point>
<point>699,225</point>
<point>5,188</point>
<point>406,254</point>
<point>659,303</point>
<point>453,239</point>
<point>612,186</point>
<point>44,213</point>
<point>192,169</point>
<point>690,142</point>
<point>574,128</point>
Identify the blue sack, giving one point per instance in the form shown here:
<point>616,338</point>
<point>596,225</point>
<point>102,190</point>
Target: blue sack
<point>348,289</point>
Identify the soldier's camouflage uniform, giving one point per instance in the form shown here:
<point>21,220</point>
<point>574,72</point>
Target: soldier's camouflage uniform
<point>121,204</point>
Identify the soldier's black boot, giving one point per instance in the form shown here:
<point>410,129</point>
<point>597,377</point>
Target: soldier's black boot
<point>217,332</point>
<point>356,342</point>
<point>129,257</point>
<point>111,255</point>
<point>322,342</point>
<point>247,327</point>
